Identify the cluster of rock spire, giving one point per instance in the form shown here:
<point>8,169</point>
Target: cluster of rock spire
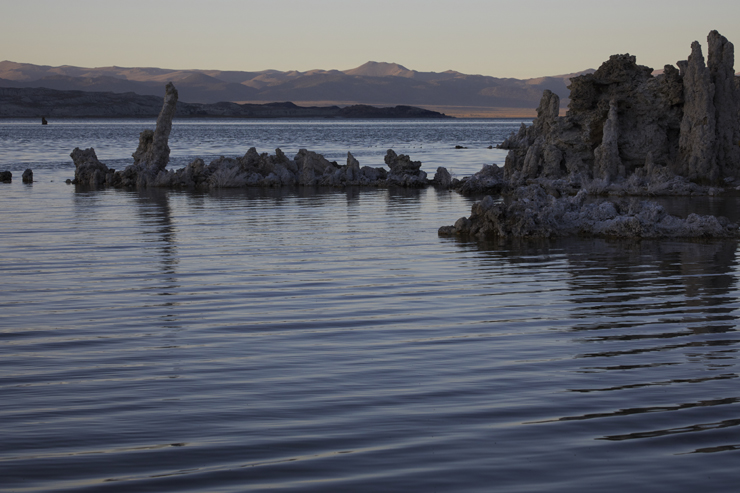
<point>626,132</point>
<point>623,121</point>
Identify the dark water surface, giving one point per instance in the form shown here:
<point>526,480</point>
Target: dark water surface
<point>329,340</point>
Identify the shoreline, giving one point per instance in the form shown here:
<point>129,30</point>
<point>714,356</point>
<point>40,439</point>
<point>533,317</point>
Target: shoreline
<point>50,103</point>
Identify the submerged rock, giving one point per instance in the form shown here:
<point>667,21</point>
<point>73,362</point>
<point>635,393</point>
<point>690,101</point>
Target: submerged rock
<point>533,213</point>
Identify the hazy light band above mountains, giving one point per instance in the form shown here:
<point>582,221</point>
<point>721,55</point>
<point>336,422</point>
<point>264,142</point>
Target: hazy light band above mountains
<point>501,38</point>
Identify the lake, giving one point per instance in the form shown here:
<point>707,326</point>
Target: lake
<point>328,340</point>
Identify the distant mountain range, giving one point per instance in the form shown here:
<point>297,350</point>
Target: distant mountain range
<point>374,83</point>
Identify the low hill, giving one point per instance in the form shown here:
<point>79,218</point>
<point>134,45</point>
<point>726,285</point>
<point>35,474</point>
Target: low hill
<point>51,103</point>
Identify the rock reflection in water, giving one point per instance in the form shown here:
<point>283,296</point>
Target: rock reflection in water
<point>654,323</point>
<point>156,216</point>
<point>321,339</point>
<point>158,228</point>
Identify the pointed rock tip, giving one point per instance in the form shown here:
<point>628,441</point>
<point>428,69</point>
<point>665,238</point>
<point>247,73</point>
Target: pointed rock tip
<point>170,88</point>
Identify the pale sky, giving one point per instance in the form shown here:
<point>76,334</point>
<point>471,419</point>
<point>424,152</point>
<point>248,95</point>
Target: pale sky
<point>514,38</point>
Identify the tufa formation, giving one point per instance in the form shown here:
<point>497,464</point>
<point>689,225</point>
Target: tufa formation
<point>531,212</point>
<point>307,168</point>
<point>627,128</point>
<point>626,132</point>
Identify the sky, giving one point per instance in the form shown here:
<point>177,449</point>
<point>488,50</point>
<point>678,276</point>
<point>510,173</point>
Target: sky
<point>515,38</point>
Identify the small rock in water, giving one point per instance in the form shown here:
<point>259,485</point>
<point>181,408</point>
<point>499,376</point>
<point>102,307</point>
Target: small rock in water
<point>6,176</point>
<point>442,178</point>
<point>28,176</point>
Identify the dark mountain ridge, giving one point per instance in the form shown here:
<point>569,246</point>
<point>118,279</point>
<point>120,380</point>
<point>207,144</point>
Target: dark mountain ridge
<point>374,83</point>
<point>40,102</point>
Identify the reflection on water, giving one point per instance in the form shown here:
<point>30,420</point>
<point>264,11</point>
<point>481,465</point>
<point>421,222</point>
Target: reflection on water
<point>156,218</point>
<point>318,340</point>
<point>654,328</point>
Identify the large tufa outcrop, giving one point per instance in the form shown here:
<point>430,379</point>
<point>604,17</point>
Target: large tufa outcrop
<point>625,132</point>
<point>679,126</point>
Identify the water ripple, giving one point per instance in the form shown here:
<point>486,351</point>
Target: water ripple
<point>321,340</point>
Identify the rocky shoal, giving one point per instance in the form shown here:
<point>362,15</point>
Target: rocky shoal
<point>531,212</point>
<point>307,168</point>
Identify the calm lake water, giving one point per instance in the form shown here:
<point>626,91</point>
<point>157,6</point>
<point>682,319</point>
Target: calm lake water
<point>329,340</point>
